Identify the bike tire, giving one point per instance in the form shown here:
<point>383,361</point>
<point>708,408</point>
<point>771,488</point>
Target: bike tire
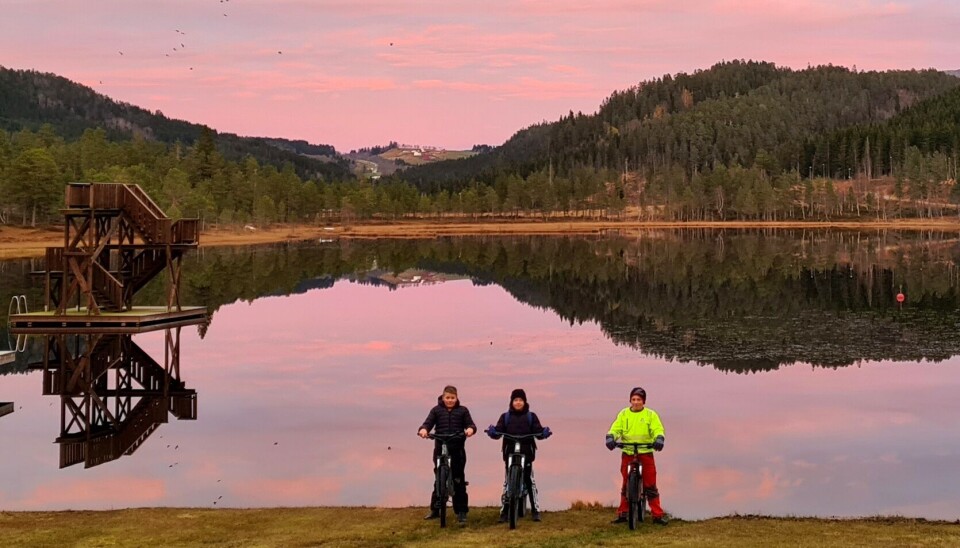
<point>442,478</point>
<point>633,497</point>
<point>514,486</point>
<point>641,507</point>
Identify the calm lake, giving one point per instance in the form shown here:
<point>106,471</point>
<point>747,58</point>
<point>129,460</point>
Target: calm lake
<point>788,377</point>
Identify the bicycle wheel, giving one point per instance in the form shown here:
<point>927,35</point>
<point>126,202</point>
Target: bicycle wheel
<point>633,496</point>
<point>641,505</point>
<point>514,486</point>
<point>522,507</point>
<point>443,475</point>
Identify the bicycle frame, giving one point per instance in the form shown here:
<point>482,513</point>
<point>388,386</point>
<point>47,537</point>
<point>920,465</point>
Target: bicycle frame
<point>516,486</point>
<point>636,498</point>
<point>443,475</point>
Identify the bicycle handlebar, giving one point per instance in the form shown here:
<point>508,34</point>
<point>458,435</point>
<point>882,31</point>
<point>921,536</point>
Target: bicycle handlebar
<point>446,437</point>
<point>519,437</point>
<point>635,446</point>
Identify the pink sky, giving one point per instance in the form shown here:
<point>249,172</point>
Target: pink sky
<point>453,74</point>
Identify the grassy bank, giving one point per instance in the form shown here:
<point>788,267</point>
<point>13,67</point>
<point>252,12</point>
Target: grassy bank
<point>398,527</point>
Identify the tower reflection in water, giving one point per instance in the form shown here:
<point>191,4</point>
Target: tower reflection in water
<point>113,394</point>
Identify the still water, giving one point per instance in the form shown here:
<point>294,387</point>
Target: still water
<point>789,379</point>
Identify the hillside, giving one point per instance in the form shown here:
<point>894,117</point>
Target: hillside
<point>953,72</point>
<point>30,99</point>
<point>738,113</point>
<point>387,160</point>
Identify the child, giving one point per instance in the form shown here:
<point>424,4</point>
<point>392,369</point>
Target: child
<point>449,417</point>
<point>638,424</point>
<point>518,421</point>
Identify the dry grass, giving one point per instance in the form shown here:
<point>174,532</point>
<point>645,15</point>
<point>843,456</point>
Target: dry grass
<point>401,527</point>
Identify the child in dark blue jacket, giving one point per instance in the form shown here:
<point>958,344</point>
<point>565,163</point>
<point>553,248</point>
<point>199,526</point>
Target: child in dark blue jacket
<point>519,421</point>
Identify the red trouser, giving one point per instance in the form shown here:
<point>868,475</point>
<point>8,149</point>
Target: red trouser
<point>649,480</point>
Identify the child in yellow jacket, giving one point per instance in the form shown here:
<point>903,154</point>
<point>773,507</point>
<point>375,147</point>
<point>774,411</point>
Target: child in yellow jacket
<point>638,424</point>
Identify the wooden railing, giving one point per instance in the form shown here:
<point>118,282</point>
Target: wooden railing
<point>54,259</point>
<point>72,452</point>
<point>184,406</point>
<point>185,231</point>
<point>144,267</point>
<point>145,370</point>
<point>108,286</point>
<point>146,416</point>
<point>142,197</point>
<point>155,226</point>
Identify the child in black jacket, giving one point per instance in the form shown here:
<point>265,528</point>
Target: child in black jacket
<point>449,417</point>
<point>519,421</point>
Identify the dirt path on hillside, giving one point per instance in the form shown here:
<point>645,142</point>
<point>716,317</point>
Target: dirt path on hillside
<point>19,242</point>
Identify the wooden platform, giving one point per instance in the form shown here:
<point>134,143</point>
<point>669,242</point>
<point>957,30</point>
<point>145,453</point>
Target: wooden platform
<point>7,356</point>
<point>6,408</point>
<point>138,320</point>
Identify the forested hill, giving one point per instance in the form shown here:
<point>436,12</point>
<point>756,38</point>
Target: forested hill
<point>735,113</point>
<point>31,99</point>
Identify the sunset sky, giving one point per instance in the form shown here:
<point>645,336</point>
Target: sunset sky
<point>448,73</point>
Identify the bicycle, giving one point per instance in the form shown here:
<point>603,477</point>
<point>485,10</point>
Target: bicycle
<point>443,480</point>
<point>636,498</point>
<point>516,487</point>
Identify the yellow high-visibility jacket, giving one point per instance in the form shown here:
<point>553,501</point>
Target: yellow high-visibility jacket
<point>636,427</point>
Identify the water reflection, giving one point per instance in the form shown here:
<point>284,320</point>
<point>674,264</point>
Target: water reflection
<point>113,394</point>
<point>738,301</point>
<point>316,372</point>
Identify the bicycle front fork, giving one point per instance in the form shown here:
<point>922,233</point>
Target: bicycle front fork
<point>530,490</point>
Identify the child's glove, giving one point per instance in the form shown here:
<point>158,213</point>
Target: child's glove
<point>546,432</point>
<point>658,444</point>
<point>492,432</point>
<point>611,443</point>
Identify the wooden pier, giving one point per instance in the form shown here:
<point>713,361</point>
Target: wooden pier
<point>6,407</point>
<point>138,319</point>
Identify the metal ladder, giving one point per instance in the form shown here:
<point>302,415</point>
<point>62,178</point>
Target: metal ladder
<point>18,305</point>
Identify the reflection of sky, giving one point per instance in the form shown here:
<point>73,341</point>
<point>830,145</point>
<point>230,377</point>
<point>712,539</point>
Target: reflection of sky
<point>314,399</point>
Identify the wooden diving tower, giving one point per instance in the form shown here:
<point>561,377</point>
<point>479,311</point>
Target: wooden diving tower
<point>115,240</point>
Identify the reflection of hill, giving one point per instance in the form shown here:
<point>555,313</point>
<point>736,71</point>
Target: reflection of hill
<point>741,301</point>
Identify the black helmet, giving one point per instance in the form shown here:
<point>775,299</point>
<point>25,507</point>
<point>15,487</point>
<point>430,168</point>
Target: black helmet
<point>637,391</point>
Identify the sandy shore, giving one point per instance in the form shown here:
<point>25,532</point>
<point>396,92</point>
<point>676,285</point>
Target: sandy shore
<point>19,242</point>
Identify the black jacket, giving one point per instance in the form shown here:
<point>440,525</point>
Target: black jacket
<point>448,421</point>
<point>518,425</point>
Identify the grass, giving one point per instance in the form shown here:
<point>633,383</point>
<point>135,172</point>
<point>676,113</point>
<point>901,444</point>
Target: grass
<point>405,526</point>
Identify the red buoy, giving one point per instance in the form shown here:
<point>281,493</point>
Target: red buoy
<point>900,297</point>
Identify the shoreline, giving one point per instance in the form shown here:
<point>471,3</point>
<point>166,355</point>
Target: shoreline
<point>24,242</point>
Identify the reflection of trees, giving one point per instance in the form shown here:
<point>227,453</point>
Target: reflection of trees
<point>737,300</point>
<point>742,301</point>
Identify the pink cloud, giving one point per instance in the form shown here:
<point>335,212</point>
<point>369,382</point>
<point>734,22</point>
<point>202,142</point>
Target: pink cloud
<point>287,491</point>
<point>713,478</point>
<point>113,491</point>
<point>566,69</point>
